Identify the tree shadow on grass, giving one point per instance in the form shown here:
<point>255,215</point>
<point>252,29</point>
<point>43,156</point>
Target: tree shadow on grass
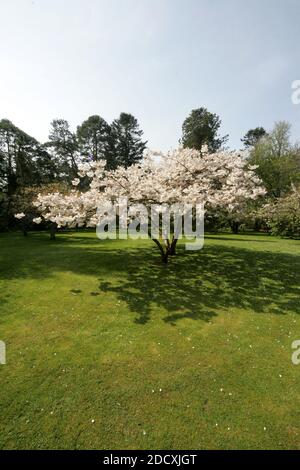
<point>197,285</point>
<point>240,239</point>
<point>194,285</point>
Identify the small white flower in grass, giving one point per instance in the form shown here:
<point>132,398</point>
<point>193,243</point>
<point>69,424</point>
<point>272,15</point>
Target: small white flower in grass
<point>144,432</point>
<point>92,421</point>
<point>160,390</point>
<point>152,391</point>
<point>221,389</point>
<point>217,425</point>
<point>265,428</point>
<point>280,375</point>
<point>230,394</point>
<point>228,429</point>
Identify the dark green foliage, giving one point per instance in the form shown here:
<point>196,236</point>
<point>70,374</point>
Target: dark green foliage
<point>63,144</point>
<point>127,141</point>
<point>23,162</point>
<point>94,138</point>
<point>201,128</point>
<point>251,137</point>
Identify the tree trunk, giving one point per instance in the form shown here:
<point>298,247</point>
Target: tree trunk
<point>53,230</point>
<point>24,229</point>
<point>164,253</point>
<point>234,225</point>
<point>165,257</point>
<point>167,249</point>
<point>257,225</point>
<point>172,248</point>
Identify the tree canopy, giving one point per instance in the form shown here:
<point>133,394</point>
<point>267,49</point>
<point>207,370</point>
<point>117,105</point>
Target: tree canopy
<point>252,137</point>
<point>277,160</point>
<point>128,146</point>
<point>201,128</point>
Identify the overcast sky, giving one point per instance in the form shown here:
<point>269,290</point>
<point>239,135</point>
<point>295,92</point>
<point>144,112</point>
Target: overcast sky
<point>156,59</point>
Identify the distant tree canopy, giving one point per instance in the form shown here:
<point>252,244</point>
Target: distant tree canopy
<point>252,137</point>
<point>93,137</point>
<point>28,166</point>
<point>63,146</point>
<point>127,143</point>
<point>200,128</point>
<point>277,159</point>
<point>23,160</point>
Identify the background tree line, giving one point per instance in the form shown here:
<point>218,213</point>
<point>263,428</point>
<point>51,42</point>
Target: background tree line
<point>28,167</point>
<point>278,166</point>
<point>26,163</point>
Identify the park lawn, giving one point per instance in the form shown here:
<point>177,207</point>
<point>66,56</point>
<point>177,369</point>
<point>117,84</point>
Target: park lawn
<point>108,348</point>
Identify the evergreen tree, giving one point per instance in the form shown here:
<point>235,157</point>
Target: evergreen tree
<point>128,146</point>
<point>94,138</point>
<point>252,137</point>
<point>63,144</point>
<point>201,128</point>
<point>23,161</point>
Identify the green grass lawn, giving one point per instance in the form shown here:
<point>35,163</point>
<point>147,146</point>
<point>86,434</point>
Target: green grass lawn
<point>108,348</point>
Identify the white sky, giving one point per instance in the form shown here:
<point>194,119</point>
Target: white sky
<point>156,59</point>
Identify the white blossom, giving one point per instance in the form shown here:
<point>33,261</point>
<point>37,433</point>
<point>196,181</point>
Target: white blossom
<point>181,176</point>
<point>20,216</point>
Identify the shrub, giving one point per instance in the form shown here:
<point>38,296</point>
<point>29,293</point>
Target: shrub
<point>283,215</point>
